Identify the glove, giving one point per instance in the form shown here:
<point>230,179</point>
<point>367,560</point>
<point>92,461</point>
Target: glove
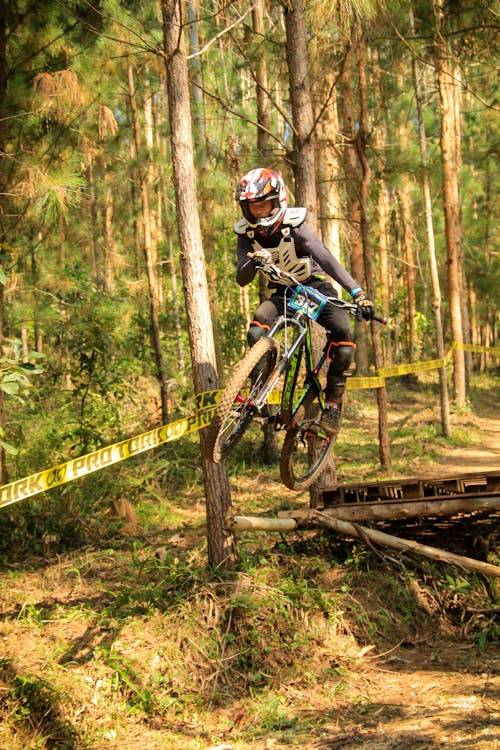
<point>262,257</point>
<point>366,308</point>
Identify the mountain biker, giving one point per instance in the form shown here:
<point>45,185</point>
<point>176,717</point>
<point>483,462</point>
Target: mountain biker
<point>272,232</point>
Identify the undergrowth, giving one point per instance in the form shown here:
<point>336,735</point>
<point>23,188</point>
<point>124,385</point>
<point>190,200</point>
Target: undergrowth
<point>116,635</point>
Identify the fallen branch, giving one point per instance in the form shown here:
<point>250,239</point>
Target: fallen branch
<point>314,517</point>
<point>405,545</point>
<point>393,511</point>
<point>258,523</point>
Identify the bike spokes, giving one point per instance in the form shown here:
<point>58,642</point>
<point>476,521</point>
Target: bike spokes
<point>236,406</point>
<point>305,451</point>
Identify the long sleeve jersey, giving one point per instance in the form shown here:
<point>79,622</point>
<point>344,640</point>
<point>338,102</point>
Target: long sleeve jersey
<point>306,245</point>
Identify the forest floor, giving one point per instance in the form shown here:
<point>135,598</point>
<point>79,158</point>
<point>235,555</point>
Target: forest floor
<point>319,644</point>
<point>435,689</point>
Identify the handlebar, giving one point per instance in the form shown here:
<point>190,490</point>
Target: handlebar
<point>277,274</point>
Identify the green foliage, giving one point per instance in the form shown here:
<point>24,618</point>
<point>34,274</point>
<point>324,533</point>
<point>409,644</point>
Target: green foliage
<point>55,195</point>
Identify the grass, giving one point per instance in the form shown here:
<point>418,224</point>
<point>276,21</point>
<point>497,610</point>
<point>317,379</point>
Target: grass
<point>120,639</point>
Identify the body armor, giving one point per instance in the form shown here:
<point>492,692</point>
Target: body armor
<point>284,254</point>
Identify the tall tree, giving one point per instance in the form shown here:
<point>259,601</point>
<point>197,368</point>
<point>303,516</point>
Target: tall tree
<point>3,194</point>
<point>361,149</point>
<point>350,164</point>
<point>303,156</point>
<point>220,538</point>
<point>446,66</point>
<point>431,245</point>
<point>149,249</point>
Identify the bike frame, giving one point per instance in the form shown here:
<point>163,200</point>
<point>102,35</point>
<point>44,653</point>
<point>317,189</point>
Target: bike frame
<point>288,365</point>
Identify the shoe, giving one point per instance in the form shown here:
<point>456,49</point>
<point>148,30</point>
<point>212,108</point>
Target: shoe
<point>330,418</point>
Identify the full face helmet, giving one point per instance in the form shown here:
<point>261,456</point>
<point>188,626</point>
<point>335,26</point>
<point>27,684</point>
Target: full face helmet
<point>262,185</point>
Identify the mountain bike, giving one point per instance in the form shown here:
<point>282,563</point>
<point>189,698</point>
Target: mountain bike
<point>306,447</point>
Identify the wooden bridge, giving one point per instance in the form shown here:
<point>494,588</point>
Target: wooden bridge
<point>405,498</point>
<point>441,500</point>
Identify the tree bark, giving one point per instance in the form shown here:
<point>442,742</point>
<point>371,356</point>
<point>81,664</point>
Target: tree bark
<point>451,199</point>
<point>220,538</point>
<point>154,305</point>
<point>303,156</point>
<point>431,248</point>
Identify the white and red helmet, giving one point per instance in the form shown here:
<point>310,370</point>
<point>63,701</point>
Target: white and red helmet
<point>258,185</point>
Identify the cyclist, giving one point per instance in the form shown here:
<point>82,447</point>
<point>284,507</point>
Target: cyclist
<point>272,232</point>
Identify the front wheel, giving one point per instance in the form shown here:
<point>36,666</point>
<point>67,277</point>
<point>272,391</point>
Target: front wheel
<point>305,451</point>
<point>236,408</point>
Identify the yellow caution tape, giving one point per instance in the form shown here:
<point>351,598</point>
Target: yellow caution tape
<point>476,348</point>
<point>356,384</point>
<point>406,369</point>
<point>112,454</point>
<point>205,403</point>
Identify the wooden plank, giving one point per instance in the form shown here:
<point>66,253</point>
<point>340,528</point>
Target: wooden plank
<point>380,511</point>
<point>470,484</point>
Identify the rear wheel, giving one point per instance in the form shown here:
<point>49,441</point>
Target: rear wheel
<point>306,448</point>
<point>236,409</point>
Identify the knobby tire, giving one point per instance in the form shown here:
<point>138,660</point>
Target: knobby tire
<point>234,411</point>
<point>305,451</point>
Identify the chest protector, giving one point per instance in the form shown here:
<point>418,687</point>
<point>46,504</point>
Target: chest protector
<point>284,255</point>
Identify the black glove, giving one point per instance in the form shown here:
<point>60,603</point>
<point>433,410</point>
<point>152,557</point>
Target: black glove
<point>366,308</point>
<point>262,257</point>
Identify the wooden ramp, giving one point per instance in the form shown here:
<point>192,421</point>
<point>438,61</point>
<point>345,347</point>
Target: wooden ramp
<point>343,508</point>
<point>418,497</point>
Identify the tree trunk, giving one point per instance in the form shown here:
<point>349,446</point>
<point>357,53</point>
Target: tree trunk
<point>151,174</point>
<point>220,538</point>
<point>109,248</point>
<point>197,78</point>
<point>431,247</point>
<point>262,86</point>
<point>404,196</point>
<point>3,198</point>
<point>383,198</point>
<point>408,258</point>
<point>96,262</point>
<point>270,450</point>
<point>304,161</point>
<point>171,260</point>
<point>329,172</point>
<point>451,200</point>
<point>352,182</point>
<point>303,156</point>
<point>383,428</point>
<point>154,305</point>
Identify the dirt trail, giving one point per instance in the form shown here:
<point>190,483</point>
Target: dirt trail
<point>433,688</point>
<point>483,457</point>
<point>440,693</point>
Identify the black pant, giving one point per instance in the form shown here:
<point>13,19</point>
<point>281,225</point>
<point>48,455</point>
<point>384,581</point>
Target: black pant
<point>334,319</point>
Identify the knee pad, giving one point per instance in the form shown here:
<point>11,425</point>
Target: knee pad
<point>255,331</point>
<point>340,355</point>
